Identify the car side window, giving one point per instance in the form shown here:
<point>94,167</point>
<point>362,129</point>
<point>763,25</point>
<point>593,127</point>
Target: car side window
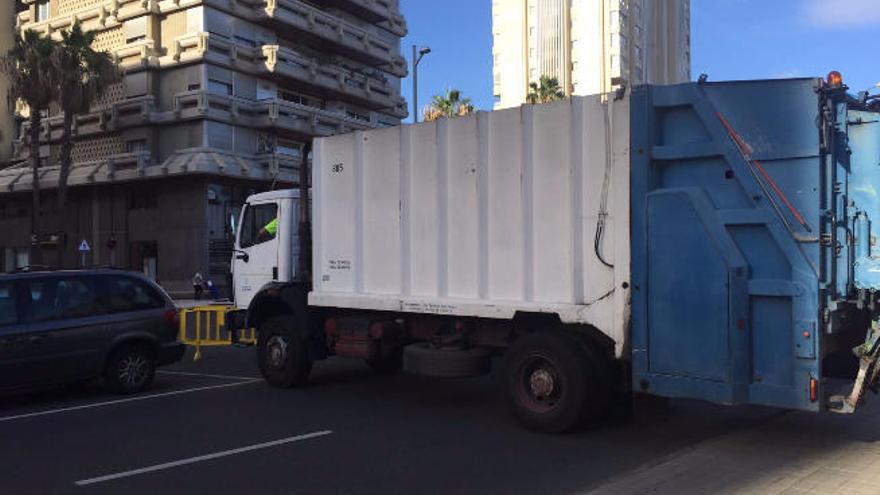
<point>60,298</point>
<point>8,308</point>
<point>128,294</point>
<point>260,225</point>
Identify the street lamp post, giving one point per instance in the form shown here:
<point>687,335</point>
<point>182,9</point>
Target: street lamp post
<point>416,58</point>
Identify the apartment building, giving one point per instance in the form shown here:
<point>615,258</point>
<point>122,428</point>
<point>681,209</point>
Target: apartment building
<point>217,101</point>
<point>590,46</point>
<point>8,130</point>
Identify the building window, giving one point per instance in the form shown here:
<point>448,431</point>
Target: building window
<point>614,18</point>
<point>353,114</point>
<point>136,146</point>
<point>288,147</point>
<point>42,10</point>
<point>219,87</point>
<point>301,99</point>
<point>253,230</point>
<point>136,30</point>
<point>619,42</point>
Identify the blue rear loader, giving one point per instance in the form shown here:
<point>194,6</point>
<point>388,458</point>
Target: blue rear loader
<point>755,261</point>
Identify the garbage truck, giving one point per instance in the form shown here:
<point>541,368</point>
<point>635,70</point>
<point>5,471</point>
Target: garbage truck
<point>709,240</point>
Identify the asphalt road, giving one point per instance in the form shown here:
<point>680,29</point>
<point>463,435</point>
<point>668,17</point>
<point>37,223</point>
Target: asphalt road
<point>212,427</point>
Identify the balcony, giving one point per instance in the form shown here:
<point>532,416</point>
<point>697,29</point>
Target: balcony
<point>380,12</point>
<point>372,92</point>
<point>139,165</point>
<point>130,112</point>
<point>270,114</point>
<point>343,37</point>
<point>331,79</point>
<point>104,15</point>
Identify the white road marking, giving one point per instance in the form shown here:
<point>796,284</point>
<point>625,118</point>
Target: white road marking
<point>207,375</point>
<point>201,458</point>
<point>122,401</point>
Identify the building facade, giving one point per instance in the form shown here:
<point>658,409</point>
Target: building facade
<point>8,130</point>
<point>217,101</point>
<point>590,46</point>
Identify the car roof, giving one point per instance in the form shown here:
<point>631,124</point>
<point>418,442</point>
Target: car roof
<point>83,271</point>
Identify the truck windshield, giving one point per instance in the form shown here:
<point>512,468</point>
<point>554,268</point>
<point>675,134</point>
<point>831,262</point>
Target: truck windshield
<point>260,225</point>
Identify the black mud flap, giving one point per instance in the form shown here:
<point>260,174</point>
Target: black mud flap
<point>866,378</point>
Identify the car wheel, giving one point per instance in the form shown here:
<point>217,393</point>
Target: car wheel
<point>130,370</point>
<point>282,354</point>
<point>550,383</point>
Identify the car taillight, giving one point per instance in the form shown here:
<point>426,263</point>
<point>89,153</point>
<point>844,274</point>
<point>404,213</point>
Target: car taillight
<point>173,318</point>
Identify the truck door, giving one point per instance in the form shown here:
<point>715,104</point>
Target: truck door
<point>726,195</point>
<point>255,262</point>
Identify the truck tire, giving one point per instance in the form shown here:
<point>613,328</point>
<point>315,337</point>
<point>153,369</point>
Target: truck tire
<point>550,382</point>
<point>282,354</point>
<point>425,359</point>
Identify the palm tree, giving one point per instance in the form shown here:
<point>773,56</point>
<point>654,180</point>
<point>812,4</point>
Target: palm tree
<point>450,104</point>
<point>85,75</point>
<point>545,91</point>
<point>32,80</point>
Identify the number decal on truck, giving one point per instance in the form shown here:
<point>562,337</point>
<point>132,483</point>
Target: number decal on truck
<point>340,264</point>
<point>337,168</point>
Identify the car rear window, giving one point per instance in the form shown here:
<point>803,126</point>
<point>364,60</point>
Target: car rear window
<point>8,309</point>
<point>61,298</point>
<point>129,294</point>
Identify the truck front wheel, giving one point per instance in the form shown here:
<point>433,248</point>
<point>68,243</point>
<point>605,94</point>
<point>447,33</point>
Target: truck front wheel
<point>549,382</point>
<point>282,354</point>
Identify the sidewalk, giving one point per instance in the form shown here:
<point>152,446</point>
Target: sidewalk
<point>792,454</point>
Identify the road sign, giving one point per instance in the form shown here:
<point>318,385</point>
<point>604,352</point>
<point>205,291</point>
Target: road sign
<point>84,246</point>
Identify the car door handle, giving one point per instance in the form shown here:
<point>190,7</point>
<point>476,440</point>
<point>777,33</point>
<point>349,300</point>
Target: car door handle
<point>36,339</point>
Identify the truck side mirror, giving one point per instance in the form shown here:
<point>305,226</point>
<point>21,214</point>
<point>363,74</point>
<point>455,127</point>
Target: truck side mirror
<point>241,255</point>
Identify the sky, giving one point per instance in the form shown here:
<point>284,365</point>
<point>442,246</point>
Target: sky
<point>731,39</point>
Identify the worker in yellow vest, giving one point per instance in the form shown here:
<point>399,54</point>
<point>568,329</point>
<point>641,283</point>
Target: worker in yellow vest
<point>269,230</point>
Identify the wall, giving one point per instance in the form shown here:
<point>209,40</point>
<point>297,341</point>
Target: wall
<point>7,120</point>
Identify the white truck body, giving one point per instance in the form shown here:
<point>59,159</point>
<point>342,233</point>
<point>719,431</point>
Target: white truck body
<point>481,216</point>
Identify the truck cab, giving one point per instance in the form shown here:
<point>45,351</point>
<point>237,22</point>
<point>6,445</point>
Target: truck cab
<point>266,244</point>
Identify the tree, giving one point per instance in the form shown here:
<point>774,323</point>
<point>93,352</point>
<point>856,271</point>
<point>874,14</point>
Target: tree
<point>450,104</point>
<point>32,80</point>
<point>545,91</point>
<point>84,76</point>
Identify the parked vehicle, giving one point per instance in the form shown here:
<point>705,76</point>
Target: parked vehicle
<point>708,240</point>
<point>68,326</point>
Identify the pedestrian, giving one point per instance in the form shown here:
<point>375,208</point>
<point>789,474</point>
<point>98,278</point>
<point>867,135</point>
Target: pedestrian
<point>198,282</point>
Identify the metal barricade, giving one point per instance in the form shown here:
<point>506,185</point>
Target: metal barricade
<point>207,326</point>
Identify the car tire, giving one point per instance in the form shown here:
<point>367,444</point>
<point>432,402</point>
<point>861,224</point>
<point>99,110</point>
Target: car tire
<point>282,354</point>
<point>551,383</point>
<point>130,369</point>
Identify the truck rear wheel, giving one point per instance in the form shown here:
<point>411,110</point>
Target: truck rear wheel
<point>551,386</point>
<point>282,354</point>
